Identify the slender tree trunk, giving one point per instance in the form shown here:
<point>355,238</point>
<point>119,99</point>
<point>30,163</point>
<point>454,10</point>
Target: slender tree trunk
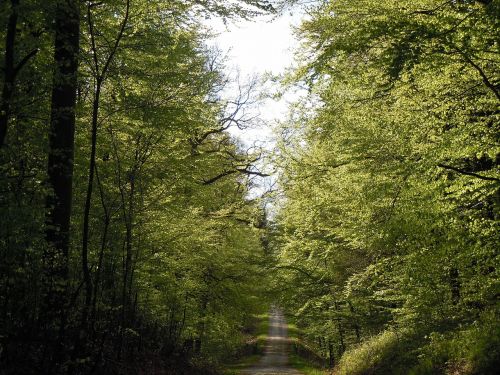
<point>340,330</point>
<point>9,71</point>
<point>128,248</point>
<point>454,285</point>
<point>183,322</point>
<point>104,239</point>
<point>126,287</point>
<point>99,269</point>
<point>100,77</point>
<point>60,164</point>
<point>331,355</point>
<point>88,201</point>
<point>357,329</point>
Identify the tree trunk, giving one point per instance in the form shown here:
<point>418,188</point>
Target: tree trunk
<point>99,81</point>
<point>60,164</point>
<point>357,328</point>
<point>331,355</point>
<point>62,126</point>
<point>88,202</point>
<point>340,330</point>
<point>454,285</point>
<point>9,71</point>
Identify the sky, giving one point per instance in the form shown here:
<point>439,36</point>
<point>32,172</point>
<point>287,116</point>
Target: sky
<point>262,45</point>
<point>259,47</point>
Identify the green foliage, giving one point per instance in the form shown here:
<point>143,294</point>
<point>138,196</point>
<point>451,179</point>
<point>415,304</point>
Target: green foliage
<point>390,166</point>
<point>379,354</point>
<point>170,270</point>
<point>473,350</point>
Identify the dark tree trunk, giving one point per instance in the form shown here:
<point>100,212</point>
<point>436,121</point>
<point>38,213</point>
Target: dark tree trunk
<point>340,330</point>
<point>331,355</point>
<point>60,163</point>
<point>454,285</point>
<point>357,328</point>
<point>9,71</point>
<point>62,125</point>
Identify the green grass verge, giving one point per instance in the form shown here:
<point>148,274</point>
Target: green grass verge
<point>296,361</point>
<point>262,327</point>
<point>304,366</point>
<point>259,337</point>
<point>244,362</point>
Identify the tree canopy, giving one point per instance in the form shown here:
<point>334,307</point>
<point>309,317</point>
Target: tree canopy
<point>389,222</point>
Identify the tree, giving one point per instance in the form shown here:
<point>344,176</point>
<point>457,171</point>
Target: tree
<point>60,165</point>
<point>391,183</point>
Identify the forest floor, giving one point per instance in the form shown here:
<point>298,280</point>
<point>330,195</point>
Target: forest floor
<point>275,360</point>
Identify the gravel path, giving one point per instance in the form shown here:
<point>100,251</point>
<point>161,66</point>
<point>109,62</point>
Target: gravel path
<point>275,359</point>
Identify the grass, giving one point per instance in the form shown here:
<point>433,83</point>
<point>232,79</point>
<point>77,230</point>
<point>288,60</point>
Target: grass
<point>304,366</point>
<point>262,327</point>
<point>244,362</point>
<point>296,361</point>
<point>259,337</point>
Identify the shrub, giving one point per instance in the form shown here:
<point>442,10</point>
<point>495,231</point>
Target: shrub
<point>474,350</point>
<point>377,355</point>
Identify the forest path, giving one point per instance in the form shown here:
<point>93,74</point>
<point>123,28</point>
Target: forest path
<point>275,359</point>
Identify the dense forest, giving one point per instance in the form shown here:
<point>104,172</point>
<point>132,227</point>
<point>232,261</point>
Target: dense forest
<point>133,239</point>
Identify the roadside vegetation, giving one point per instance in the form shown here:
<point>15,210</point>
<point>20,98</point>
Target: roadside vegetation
<point>252,347</point>
<point>302,356</point>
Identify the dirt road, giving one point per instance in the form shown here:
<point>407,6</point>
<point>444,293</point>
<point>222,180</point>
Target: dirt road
<point>275,359</point>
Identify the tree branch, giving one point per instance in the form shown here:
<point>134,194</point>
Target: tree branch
<point>481,72</point>
<point>461,171</point>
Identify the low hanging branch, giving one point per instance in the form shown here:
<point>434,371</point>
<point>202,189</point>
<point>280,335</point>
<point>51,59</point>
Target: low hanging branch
<point>461,171</point>
<point>245,170</point>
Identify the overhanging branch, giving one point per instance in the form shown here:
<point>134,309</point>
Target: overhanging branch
<point>472,174</point>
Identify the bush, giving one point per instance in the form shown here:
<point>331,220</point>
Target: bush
<point>378,355</point>
<point>471,351</point>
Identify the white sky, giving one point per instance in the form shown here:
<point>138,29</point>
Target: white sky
<point>259,47</point>
<point>262,45</point>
